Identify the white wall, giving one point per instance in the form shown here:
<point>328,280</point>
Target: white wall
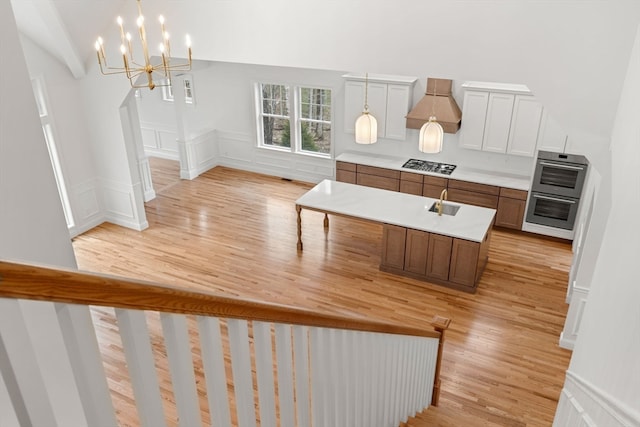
<point>225,101</point>
<point>602,382</point>
<point>32,229</point>
<point>572,55</point>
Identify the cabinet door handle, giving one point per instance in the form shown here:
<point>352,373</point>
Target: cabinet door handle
<point>555,165</point>
<point>538,196</point>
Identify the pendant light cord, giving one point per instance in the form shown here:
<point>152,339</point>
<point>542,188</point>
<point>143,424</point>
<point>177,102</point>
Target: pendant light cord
<point>435,93</point>
<point>366,90</point>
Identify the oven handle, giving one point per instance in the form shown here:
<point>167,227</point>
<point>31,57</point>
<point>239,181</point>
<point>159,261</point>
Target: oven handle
<point>555,165</point>
<point>537,196</point>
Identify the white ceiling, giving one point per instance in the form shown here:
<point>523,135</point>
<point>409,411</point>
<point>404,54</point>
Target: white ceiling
<point>66,29</point>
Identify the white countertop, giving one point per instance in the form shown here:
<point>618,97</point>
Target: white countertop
<point>517,182</point>
<point>391,207</point>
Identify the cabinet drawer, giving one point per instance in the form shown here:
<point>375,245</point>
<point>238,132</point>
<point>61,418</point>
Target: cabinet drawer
<point>436,180</point>
<point>432,191</point>
<point>513,194</point>
<point>472,198</point>
<point>413,177</point>
<point>472,186</point>
<point>372,170</point>
<point>345,166</point>
<point>411,187</point>
<point>382,182</point>
<point>346,176</point>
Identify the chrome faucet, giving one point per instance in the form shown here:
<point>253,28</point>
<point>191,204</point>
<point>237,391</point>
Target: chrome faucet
<point>443,196</point>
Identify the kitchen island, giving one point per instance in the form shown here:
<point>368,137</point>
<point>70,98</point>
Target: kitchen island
<point>450,250</point>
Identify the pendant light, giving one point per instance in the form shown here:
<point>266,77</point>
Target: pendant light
<point>431,133</point>
<point>366,125</point>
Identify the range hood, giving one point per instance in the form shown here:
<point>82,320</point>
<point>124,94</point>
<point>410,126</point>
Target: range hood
<point>437,102</point>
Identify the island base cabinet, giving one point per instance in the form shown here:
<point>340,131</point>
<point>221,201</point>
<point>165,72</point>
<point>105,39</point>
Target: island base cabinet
<point>393,247</point>
<point>416,250</point>
<point>464,262</point>
<point>439,257</point>
<point>434,258</point>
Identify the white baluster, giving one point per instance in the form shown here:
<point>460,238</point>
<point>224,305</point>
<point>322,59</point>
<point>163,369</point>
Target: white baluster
<point>19,367</point>
<point>404,378</point>
<point>8,416</point>
<point>84,353</point>
<point>49,348</point>
<point>285,374</point>
<point>351,376</point>
<point>264,373</point>
<point>359,351</point>
<point>214,370</point>
<point>241,369</point>
<point>413,381</point>
<point>342,374</point>
<point>368,366</point>
<point>301,361</point>
<point>142,371</point>
<point>318,378</point>
<point>397,372</point>
<point>176,338</point>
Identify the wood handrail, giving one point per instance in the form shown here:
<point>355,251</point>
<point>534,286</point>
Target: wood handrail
<point>28,281</point>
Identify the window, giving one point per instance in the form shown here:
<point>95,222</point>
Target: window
<point>47,127</point>
<point>311,113</point>
<point>315,120</point>
<point>167,91</point>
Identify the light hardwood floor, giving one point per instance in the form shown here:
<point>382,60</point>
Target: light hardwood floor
<point>234,233</point>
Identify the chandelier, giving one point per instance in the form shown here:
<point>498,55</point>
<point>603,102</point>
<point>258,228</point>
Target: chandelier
<point>131,68</point>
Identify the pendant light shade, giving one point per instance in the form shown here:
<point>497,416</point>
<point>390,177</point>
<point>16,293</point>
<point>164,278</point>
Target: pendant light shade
<point>431,135</point>
<point>366,128</point>
<point>366,124</point>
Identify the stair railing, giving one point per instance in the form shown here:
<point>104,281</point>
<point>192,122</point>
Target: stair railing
<point>270,363</point>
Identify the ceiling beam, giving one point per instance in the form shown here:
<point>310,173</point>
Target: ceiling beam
<point>57,30</point>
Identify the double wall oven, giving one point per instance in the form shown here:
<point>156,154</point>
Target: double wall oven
<point>555,192</point>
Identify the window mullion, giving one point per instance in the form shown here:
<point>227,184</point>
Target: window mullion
<point>294,120</point>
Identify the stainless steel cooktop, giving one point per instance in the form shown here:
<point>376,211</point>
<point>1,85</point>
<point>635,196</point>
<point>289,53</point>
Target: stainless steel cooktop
<point>427,166</point>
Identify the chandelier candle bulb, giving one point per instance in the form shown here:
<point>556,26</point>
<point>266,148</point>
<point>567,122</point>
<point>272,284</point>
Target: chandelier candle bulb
<point>158,74</point>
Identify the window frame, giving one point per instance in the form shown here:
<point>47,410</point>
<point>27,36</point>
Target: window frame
<point>294,105</point>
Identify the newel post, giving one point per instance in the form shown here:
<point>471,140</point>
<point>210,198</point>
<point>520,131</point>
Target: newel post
<point>440,324</point>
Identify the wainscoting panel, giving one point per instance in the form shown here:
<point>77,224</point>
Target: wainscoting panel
<point>120,205</point>
<point>159,141</point>
<point>583,404</point>
<point>577,304</point>
<point>240,151</point>
<point>86,207</point>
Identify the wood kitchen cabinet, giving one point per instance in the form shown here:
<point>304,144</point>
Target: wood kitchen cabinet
<point>472,193</point>
<point>439,257</point>
<point>462,269</point>
<point>389,100</point>
<point>371,176</point>
<point>509,203</point>
<point>435,258</point>
<point>346,172</point>
<point>433,186</point>
<point>393,247</point>
<point>511,207</point>
<point>411,183</point>
<point>416,249</point>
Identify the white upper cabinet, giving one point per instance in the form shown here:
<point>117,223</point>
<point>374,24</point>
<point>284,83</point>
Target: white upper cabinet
<point>389,100</point>
<point>498,123</point>
<point>474,115</point>
<point>552,136</point>
<point>525,126</point>
<point>500,118</point>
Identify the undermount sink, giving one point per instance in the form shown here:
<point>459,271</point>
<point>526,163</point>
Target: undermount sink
<point>446,209</point>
